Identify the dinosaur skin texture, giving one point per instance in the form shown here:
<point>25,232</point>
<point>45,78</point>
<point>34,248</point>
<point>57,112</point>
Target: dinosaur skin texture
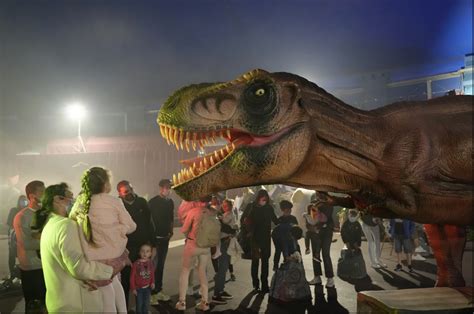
<point>410,160</point>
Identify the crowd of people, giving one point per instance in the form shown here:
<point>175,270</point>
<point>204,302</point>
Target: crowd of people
<point>101,248</point>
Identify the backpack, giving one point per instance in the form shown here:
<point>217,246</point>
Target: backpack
<point>208,233</point>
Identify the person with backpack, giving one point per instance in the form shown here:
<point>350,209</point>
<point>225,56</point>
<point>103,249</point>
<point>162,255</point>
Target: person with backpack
<point>228,230</point>
<point>202,230</point>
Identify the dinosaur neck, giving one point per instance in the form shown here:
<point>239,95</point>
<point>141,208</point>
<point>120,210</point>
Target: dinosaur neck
<point>346,147</point>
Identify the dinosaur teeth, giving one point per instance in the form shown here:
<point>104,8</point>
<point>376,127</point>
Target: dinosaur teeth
<point>181,138</point>
<point>167,135</point>
<point>228,133</point>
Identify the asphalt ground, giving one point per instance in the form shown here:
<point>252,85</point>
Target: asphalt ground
<point>341,299</point>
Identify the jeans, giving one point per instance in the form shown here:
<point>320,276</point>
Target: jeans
<point>143,300</point>
<point>161,252</point>
<point>34,288</point>
<point>224,261</point>
<point>260,252</point>
<point>12,257</point>
<point>125,273</point>
<point>321,243</point>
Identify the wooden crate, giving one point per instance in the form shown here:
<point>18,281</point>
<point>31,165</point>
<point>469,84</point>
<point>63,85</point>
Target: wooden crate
<point>422,300</point>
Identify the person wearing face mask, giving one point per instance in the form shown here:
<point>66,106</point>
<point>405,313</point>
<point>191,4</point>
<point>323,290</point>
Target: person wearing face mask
<point>162,214</point>
<point>105,223</point>
<point>351,231</point>
<point>138,209</point>
<point>351,265</point>
<point>71,279</point>
<point>21,204</point>
<point>28,245</point>
<point>257,218</point>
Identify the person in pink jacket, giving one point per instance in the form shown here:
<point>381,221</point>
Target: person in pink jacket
<point>105,223</point>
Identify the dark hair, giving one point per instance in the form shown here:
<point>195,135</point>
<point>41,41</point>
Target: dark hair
<point>41,215</point>
<point>32,187</point>
<point>286,204</point>
<point>146,244</point>
<point>205,199</point>
<point>262,193</point>
<point>164,182</point>
<point>123,183</point>
<point>19,199</point>
<point>92,182</point>
<point>296,232</point>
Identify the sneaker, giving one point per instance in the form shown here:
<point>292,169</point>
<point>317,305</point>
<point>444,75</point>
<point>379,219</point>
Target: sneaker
<point>382,265</point>
<point>232,277</point>
<point>203,306</point>
<point>256,289</point>
<point>307,251</point>
<point>330,283</point>
<point>316,281</point>
<point>410,269</point>
<point>265,289</point>
<point>217,299</point>
<point>376,266</point>
<point>418,257</point>
<point>181,306</point>
<point>162,297</point>
<point>225,295</point>
<point>398,267</point>
<point>154,299</point>
<point>420,250</point>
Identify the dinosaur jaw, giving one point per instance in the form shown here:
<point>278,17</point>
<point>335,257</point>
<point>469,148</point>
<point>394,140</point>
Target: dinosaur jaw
<point>204,174</point>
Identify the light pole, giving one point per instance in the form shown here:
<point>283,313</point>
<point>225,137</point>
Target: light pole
<point>76,111</point>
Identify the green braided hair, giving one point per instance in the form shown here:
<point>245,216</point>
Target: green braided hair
<point>93,182</point>
<point>41,215</point>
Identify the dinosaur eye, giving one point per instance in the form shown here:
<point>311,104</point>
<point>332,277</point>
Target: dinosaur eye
<point>260,92</point>
<point>259,98</point>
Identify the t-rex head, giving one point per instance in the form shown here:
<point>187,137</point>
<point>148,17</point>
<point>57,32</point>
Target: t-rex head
<point>261,118</point>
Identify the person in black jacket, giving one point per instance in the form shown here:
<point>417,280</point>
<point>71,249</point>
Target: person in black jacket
<point>162,214</point>
<point>257,219</point>
<point>351,231</point>
<point>138,209</point>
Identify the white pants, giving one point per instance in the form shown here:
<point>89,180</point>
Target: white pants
<point>113,297</point>
<point>190,255</point>
<point>372,233</point>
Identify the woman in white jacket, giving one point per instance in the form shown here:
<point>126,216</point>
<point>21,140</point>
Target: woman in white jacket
<point>71,280</point>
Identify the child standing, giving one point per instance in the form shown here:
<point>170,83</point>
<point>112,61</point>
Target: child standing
<point>285,218</point>
<point>142,279</point>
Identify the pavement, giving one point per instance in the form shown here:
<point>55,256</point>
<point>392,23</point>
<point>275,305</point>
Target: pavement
<point>341,299</point>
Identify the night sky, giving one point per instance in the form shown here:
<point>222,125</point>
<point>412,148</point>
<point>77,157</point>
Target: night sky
<point>113,54</point>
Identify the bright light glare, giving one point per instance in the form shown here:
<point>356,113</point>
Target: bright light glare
<point>76,111</point>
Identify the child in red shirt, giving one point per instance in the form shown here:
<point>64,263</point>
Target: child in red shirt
<point>142,279</point>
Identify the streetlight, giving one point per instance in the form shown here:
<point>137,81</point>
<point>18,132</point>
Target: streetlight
<point>76,111</point>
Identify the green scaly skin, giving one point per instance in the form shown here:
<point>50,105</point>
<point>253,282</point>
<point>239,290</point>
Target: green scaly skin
<point>400,160</point>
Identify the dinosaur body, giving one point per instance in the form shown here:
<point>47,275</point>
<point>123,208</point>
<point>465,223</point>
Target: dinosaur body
<point>409,159</point>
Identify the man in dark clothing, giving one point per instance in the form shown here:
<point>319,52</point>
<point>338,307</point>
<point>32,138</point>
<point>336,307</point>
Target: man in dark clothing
<point>137,207</point>
<point>285,218</point>
<point>258,217</point>
<point>162,214</point>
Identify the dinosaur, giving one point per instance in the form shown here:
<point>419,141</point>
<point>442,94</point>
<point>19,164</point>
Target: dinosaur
<point>411,159</point>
